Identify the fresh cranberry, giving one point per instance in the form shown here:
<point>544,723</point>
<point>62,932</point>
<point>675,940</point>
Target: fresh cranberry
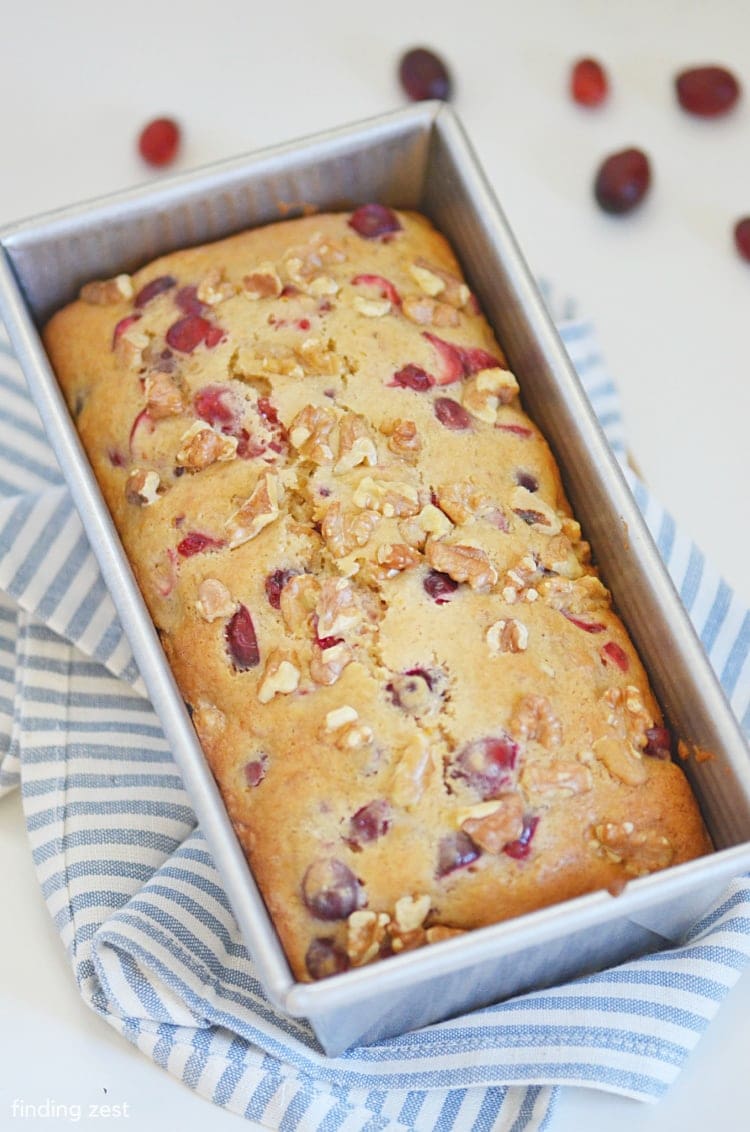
<point>424,75</point>
<point>241,640</point>
<point>255,770</point>
<point>122,326</point>
<point>708,92</point>
<point>611,653</point>
<point>622,181</point>
<point>187,333</point>
<point>451,414</point>
<point>197,543</point>
<point>588,83</point>
<point>488,765</point>
<point>742,237</point>
<point>156,287</point>
<point>587,626</point>
<point>188,302</point>
<point>521,847</point>
<point>527,480</point>
<point>384,286</point>
<point>369,823</point>
<point>461,361</point>
<point>331,891</point>
<point>275,583</point>
<point>159,141</point>
<point>325,958</point>
<point>658,743</point>
<point>455,851</point>
<point>439,586</point>
<point>374,220</point>
<point>412,377</point>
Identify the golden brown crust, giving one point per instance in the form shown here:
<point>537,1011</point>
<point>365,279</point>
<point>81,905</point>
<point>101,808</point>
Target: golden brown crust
<point>421,710</point>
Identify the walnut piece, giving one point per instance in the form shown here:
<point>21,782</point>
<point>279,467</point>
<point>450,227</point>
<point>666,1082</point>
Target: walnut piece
<point>391,498</point>
<point>310,434</point>
<point>463,501</point>
<point>519,583</point>
<point>142,487</point>
<point>214,600</point>
<point>412,772</point>
<point>639,851</point>
<point>429,312</point>
<point>106,292</point>
<point>257,512</point>
<point>463,563</point>
<point>486,391</point>
<point>533,718</point>
<point>297,602</point>
<point>395,557</point>
<point>203,446</point>
<point>371,308</point>
<point>356,446</point>
<point>344,532</point>
<point>507,636</point>
<point>365,932</point>
<point>163,398</point>
<point>403,439</point>
<point>494,829</point>
<point>453,290</point>
<point>281,677</point>
<point>410,912</point>
<point>326,665</point>
<point>262,283</point>
<point>214,289</point>
<point>336,608</point>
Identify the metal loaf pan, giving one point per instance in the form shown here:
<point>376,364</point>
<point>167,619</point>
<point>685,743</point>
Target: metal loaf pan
<point>414,158</point>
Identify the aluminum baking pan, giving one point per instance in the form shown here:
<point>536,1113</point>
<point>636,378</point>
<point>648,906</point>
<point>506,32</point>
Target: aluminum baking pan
<point>414,158</point>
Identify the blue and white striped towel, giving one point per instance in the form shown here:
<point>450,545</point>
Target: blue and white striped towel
<point>141,911</point>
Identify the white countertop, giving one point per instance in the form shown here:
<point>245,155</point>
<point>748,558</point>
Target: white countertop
<point>667,291</point>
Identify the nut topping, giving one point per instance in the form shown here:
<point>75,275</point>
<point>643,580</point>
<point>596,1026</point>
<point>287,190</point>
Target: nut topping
<point>214,600</point>
<point>507,636</point>
<point>202,446</point>
<point>463,563</point>
<point>310,432</point>
<point>355,444</point>
<point>365,933</point>
<point>492,825</point>
<point>410,912</point>
<point>256,512</point>
<point>213,289</point>
<point>403,439</point>
<point>639,851</point>
<point>412,772</point>
<point>561,776</point>
<point>337,609</point>
<point>262,283</point>
<point>427,281</point>
<point>395,557</point>
<point>142,487</point>
<point>106,292</point>
<point>344,532</point>
<point>486,391</point>
<point>534,719</point>
<point>163,398</point>
<point>393,499</point>
<point>326,665</point>
<point>371,308</point>
<point>281,677</point>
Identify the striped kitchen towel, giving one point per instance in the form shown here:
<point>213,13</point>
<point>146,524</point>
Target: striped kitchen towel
<point>141,910</point>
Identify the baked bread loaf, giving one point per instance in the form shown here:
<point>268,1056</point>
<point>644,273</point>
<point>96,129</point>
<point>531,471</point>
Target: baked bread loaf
<point>421,710</point>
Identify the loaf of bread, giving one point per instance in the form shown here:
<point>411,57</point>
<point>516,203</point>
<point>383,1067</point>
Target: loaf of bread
<point>421,710</point>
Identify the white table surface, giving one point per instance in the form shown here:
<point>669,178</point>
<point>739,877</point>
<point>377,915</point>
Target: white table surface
<point>670,297</point>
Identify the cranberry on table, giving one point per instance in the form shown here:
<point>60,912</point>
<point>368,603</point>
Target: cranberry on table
<point>589,85</point>
<point>742,237</point>
<point>707,92</point>
<point>622,181</point>
<point>424,75</point>
<point>159,141</point>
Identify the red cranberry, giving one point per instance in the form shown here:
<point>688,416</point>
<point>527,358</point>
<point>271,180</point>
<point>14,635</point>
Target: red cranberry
<point>331,891</point>
<point>373,220</point>
<point>658,743</point>
<point>708,92</point>
<point>213,336</point>
<point>384,286</point>
<point>369,823</point>
<point>488,765</point>
<point>412,377</point>
<point>527,480</point>
<point>451,414</point>
<point>155,287</point>
<point>424,75</point>
<point>742,237</point>
<point>211,406</point>
<point>455,851</point>
<point>159,141</point>
<point>587,626</point>
<point>275,583</point>
<point>268,411</point>
<point>325,958</point>
<point>516,429</point>
<point>122,326</point>
<point>622,181</point>
<point>242,641</point>
<point>611,653</point>
<point>588,83</point>
<point>255,770</point>
<point>521,847</point>
<point>187,333</point>
<point>140,419</point>
<point>116,458</point>
<point>188,302</point>
<point>197,543</point>
<point>461,361</point>
<point>439,586</point>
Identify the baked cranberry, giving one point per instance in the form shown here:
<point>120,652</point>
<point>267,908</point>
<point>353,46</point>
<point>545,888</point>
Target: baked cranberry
<point>707,92</point>
<point>255,770</point>
<point>325,958</point>
<point>488,765</point>
<point>122,326</point>
<point>188,302</point>
<point>275,583</point>
<point>612,653</point>
<point>658,743</point>
<point>587,626</point>
<point>521,847</point>
<point>413,377</point>
<point>440,587</point>
<point>156,287</point>
<point>116,458</point>
<point>384,286</point>
<point>374,220</point>
<point>516,429</point>
<point>411,691</point>
<point>159,141</point>
<point>588,83</point>
<point>369,823</point>
<point>331,891</point>
<point>268,412</point>
<point>242,642</point>
<point>187,333</point>
<point>424,75</point>
<point>527,480</point>
<point>455,851</point>
<point>622,181</point>
<point>197,543</point>
<point>140,419</point>
<point>742,237</point>
<point>451,414</point>
<point>213,404</point>
<point>461,361</point>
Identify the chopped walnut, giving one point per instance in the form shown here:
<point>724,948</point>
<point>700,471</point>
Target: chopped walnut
<point>371,308</point>
<point>429,312</point>
<point>462,562</point>
<point>302,263</point>
<point>432,521</point>
<point>281,677</point>
<point>262,283</point>
<point>106,292</point>
<point>410,912</point>
<point>323,285</point>
<point>486,391</point>
<point>256,512</point>
<point>318,357</point>
<point>395,557</point>
<point>132,344</point>
<point>428,281</point>
<point>341,717</point>
<point>297,602</point>
<point>163,397</point>
<point>534,511</point>
<point>337,608</point>
<point>310,434</point>
<point>628,714</point>
<point>565,776</point>
<point>213,289</point>
<point>326,665</point>
<point>203,446</point>
<point>354,737</point>
<point>463,501</point>
<point>142,487</point>
<point>507,635</point>
<point>412,772</point>
<point>621,760</point>
<point>214,600</point>
<point>403,439</point>
<point>639,851</point>
<point>577,596</point>
<point>366,931</point>
<point>453,291</point>
<point>392,498</point>
<point>494,829</point>
<point>344,532</point>
<point>521,580</point>
<point>356,446</point>
<point>533,718</point>
<point>559,557</point>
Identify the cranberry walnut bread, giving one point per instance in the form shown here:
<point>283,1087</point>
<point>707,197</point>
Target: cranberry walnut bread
<point>421,710</point>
